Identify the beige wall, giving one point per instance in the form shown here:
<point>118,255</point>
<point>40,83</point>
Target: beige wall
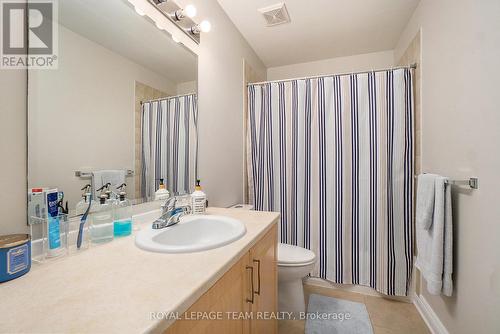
<point>220,97</point>
<point>362,62</point>
<point>91,97</point>
<point>187,87</point>
<point>460,138</point>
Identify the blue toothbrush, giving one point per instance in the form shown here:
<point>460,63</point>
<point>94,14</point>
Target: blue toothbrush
<point>83,220</point>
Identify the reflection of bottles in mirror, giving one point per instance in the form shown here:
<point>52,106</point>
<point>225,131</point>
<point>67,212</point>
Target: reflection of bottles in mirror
<point>122,225</point>
<point>110,196</point>
<point>82,206</point>
<point>101,229</point>
<point>162,193</point>
<point>199,200</point>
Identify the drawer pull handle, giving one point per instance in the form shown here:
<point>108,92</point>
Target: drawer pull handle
<point>258,276</point>
<point>251,275</point>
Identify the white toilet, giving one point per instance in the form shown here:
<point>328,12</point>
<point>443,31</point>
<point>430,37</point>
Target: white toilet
<point>294,263</point>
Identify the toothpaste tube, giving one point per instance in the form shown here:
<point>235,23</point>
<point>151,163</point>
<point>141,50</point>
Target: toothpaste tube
<point>53,224</point>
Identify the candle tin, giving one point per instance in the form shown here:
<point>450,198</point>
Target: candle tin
<point>15,256</point>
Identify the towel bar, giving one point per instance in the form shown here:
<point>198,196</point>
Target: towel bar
<point>472,182</point>
<point>81,174</point>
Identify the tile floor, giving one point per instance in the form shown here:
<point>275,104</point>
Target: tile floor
<point>387,316</point>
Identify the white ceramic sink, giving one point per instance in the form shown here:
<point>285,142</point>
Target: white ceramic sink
<point>191,234</point>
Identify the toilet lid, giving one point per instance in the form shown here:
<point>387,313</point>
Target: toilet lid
<point>294,255</point>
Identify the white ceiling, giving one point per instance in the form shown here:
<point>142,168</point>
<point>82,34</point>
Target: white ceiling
<point>115,25</point>
<point>321,29</point>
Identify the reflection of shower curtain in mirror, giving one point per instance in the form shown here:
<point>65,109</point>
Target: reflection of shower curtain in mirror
<point>335,156</point>
<point>169,144</point>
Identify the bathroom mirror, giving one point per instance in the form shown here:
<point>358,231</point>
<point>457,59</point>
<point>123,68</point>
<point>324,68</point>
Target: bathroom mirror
<point>121,106</point>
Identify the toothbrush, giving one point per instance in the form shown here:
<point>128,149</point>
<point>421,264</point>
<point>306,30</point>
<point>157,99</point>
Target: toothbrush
<point>83,220</point>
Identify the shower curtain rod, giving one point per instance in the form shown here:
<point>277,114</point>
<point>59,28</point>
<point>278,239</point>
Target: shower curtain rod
<point>166,98</point>
<point>413,66</point>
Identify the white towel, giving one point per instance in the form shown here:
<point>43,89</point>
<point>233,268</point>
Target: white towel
<point>435,245</point>
<point>425,200</point>
<point>101,177</point>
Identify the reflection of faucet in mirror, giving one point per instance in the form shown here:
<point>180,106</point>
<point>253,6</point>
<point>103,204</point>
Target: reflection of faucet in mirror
<point>171,213</point>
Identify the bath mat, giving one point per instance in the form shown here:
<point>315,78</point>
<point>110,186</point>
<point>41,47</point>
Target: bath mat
<point>327,315</point>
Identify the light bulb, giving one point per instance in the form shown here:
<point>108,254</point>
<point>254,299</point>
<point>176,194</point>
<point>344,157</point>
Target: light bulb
<point>205,26</point>
<point>139,11</point>
<point>175,39</point>
<point>190,11</point>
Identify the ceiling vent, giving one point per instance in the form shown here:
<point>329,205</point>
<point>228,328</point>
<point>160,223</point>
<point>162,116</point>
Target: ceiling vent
<point>275,14</point>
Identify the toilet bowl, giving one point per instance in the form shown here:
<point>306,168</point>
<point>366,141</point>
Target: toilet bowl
<point>294,263</point>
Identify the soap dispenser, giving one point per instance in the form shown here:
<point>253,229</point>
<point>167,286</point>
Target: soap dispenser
<point>101,229</point>
<point>199,200</point>
<point>82,206</point>
<point>111,199</point>
<point>162,193</point>
<point>122,225</point>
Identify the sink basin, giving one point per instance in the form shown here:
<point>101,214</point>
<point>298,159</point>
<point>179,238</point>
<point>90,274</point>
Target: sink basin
<point>191,234</point>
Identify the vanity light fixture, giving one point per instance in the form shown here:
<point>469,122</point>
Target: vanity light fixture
<point>188,11</point>
<point>182,17</point>
<point>160,26</point>
<point>175,39</point>
<point>204,26</point>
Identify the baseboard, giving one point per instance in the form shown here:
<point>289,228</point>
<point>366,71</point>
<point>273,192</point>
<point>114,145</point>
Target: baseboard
<point>431,319</point>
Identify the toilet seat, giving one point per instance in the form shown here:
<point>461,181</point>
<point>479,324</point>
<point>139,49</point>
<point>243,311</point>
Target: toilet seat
<point>294,256</point>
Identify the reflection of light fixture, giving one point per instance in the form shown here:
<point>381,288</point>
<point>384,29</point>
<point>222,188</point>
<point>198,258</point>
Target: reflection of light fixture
<point>139,11</point>
<point>204,26</point>
<point>160,26</point>
<point>188,11</point>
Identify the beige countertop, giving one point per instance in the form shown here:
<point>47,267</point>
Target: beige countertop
<point>114,288</point>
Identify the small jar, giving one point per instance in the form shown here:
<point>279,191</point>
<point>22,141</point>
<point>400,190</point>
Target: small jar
<point>15,256</point>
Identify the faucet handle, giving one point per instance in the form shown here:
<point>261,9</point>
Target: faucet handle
<point>169,203</point>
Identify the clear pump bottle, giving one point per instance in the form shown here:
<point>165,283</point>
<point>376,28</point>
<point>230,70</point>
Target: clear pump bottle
<point>110,196</point>
<point>122,225</point>
<point>82,206</point>
<point>101,230</point>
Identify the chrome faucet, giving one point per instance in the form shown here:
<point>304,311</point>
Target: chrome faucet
<point>171,213</point>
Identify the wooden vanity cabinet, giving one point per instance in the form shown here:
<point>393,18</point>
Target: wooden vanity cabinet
<point>263,257</point>
<point>246,296</point>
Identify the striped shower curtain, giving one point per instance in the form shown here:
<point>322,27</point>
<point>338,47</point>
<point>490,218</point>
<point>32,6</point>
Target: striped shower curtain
<point>334,155</point>
<point>169,144</point>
